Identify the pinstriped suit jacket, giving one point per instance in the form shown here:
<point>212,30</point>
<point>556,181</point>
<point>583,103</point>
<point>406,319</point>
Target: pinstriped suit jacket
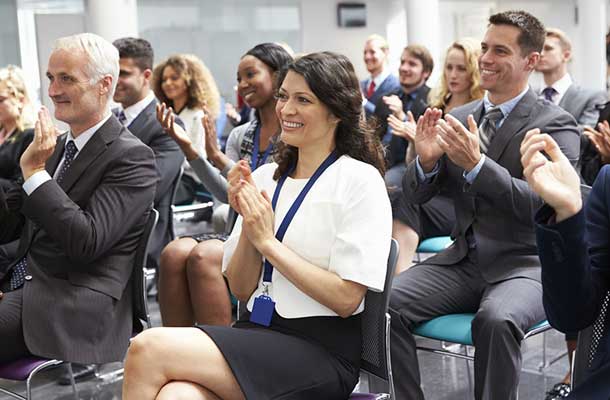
<point>80,238</point>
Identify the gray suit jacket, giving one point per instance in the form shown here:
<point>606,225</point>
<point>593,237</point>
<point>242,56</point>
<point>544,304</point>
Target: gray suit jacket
<point>582,104</point>
<point>499,205</point>
<point>80,238</point>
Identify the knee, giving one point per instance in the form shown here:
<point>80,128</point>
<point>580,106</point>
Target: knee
<point>205,261</point>
<point>493,324</point>
<point>148,344</point>
<point>178,390</point>
<point>174,255</point>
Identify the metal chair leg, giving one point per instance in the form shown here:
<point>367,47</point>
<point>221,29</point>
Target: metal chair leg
<point>72,381</point>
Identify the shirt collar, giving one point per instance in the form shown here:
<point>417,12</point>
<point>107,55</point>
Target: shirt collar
<point>507,106</point>
<point>561,86</point>
<point>135,109</point>
<point>380,78</point>
<point>84,137</point>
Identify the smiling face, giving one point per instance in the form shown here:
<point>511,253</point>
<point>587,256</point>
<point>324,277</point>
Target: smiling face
<point>374,57</point>
<point>411,72</point>
<point>306,122</point>
<point>456,72</point>
<point>78,102</point>
<point>255,82</point>
<point>133,83</point>
<point>504,70</point>
<point>173,84</point>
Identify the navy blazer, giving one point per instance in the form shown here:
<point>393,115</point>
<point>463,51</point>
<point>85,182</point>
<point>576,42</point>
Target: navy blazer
<point>389,85</point>
<point>575,256</point>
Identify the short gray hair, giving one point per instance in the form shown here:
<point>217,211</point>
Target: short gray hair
<point>103,56</point>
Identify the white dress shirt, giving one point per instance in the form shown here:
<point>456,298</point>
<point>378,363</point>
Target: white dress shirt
<point>41,177</point>
<point>134,110</point>
<point>561,87</point>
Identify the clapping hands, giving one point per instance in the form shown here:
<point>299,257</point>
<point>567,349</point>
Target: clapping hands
<point>554,180</point>
<point>167,119</point>
<point>253,205</point>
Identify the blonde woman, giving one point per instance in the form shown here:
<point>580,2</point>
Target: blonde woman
<point>185,84</point>
<point>16,122</point>
<point>460,84</point>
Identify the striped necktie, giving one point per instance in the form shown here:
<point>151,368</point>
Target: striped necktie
<point>488,127</point>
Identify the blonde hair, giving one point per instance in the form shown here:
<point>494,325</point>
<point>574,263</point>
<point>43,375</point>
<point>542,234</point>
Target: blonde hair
<point>201,87</point>
<point>12,77</point>
<point>440,94</point>
<point>383,43</point>
<point>560,35</point>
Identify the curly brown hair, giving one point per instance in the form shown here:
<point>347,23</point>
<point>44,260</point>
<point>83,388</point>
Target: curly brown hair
<point>332,79</point>
<point>202,89</point>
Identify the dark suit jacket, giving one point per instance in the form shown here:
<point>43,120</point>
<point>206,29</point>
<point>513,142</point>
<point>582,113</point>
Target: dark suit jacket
<point>389,85</point>
<point>80,238</point>
<point>10,153</point>
<point>397,147</point>
<point>575,256</point>
<point>169,159</point>
<point>499,205</point>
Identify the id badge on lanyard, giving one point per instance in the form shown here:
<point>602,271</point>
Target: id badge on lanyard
<point>264,306</point>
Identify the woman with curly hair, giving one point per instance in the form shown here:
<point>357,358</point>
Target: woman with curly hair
<point>185,84</point>
<point>328,190</point>
<point>191,285</point>
<point>460,84</point>
<point>17,119</point>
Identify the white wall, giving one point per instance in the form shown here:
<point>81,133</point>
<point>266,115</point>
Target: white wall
<point>319,30</point>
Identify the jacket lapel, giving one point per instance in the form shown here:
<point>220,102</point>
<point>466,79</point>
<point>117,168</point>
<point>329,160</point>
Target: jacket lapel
<point>568,96</point>
<point>94,147</point>
<point>517,118</point>
<point>53,161</point>
<point>142,119</point>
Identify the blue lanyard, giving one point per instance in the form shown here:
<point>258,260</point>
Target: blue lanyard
<point>332,157</point>
<point>254,163</point>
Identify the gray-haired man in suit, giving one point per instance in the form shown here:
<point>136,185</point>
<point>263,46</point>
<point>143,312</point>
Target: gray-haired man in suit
<point>86,198</point>
<point>492,269</point>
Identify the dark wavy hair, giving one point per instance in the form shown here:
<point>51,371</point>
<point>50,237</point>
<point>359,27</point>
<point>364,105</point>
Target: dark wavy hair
<point>331,77</point>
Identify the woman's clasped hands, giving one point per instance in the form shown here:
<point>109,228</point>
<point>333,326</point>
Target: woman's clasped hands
<point>253,205</point>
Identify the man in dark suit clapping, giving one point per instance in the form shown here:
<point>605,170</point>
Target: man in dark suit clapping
<point>138,114</point>
<point>86,198</point>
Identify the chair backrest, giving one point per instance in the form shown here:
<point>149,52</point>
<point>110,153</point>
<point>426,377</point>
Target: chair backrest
<point>375,358</point>
<point>140,303</point>
<point>170,217</point>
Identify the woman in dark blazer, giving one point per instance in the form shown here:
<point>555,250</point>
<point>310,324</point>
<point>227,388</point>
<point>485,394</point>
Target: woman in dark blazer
<point>16,121</point>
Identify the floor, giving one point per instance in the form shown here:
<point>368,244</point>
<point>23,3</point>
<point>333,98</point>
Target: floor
<point>443,378</point>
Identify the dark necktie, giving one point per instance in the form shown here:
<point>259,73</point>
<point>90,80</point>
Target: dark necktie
<point>122,117</point>
<point>488,127</point>
<point>548,93</point>
<point>19,270</point>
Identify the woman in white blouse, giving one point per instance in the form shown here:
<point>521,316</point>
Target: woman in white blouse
<point>185,84</point>
<point>313,235</point>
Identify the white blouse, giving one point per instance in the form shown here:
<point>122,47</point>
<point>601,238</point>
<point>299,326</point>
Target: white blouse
<point>193,127</point>
<point>344,225</point>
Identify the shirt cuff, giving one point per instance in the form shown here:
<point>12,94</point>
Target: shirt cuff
<point>35,181</point>
<point>472,175</point>
<point>423,177</point>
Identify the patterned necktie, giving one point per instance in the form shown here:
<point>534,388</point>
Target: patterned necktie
<point>19,270</point>
<point>371,90</point>
<point>122,117</point>
<point>488,127</point>
<point>600,326</point>
<point>548,93</point>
